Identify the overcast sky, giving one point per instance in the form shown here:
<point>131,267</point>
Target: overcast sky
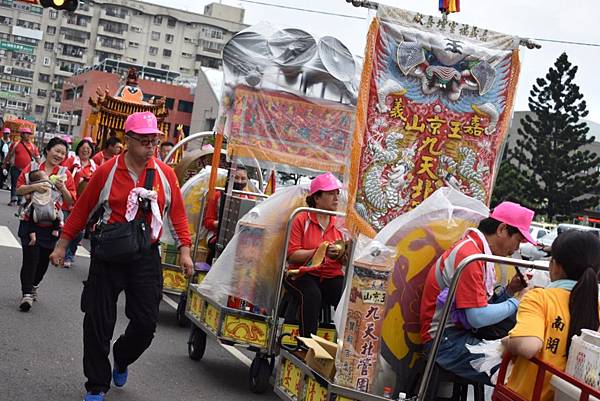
<point>575,20</point>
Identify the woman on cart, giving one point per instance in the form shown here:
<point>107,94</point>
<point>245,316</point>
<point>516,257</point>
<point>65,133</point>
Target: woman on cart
<point>315,276</point>
<point>548,318</point>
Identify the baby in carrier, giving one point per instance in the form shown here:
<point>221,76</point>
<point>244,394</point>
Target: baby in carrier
<point>41,207</point>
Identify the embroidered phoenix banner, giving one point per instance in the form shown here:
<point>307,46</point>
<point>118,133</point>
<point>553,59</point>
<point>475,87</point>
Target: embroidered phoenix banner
<point>434,108</point>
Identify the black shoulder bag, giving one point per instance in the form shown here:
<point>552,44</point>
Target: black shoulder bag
<point>124,242</point>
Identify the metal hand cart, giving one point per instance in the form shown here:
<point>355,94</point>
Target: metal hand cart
<point>254,331</point>
<point>296,381</point>
<point>503,393</point>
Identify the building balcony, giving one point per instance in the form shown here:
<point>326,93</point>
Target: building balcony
<point>103,31</point>
<point>76,57</point>
<point>84,9</point>
<point>73,25</point>
<point>74,40</point>
<point>109,48</point>
<point>109,16</point>
<point>62,72</point>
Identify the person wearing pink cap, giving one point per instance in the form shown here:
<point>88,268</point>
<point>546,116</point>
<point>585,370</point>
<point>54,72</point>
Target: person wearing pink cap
<point>481,309</point>
<point>134,186</point>
<point>319,283</point>
<point>5,143</point>
<point>20,154</point>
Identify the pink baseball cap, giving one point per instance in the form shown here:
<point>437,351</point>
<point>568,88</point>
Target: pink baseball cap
<point>6,131</point>
<point>25,130</point>
<point>324,182</point>
<point>515,215</point>
<point>142,123</point>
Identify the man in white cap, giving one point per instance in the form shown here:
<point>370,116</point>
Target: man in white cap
<point>130,187</point>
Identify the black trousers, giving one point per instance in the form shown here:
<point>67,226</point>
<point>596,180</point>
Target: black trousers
<point>34,265</point>
<point>14,176</point>
<point>311,293</point>
<point>142,283</point>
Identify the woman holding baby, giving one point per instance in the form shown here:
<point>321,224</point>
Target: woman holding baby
<point>38,236</point>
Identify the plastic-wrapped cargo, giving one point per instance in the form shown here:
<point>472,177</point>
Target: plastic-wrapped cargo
<point>583,362</point>
<point>249,266</point>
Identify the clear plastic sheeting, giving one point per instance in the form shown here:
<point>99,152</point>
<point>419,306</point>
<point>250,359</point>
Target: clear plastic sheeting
<point>194,191</point>
<point>249,266</point>
<point>419,237</point>
<point>288,99</point>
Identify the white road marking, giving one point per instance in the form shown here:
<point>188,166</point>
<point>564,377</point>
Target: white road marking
<point>9,240</point>
<point>231,349</point>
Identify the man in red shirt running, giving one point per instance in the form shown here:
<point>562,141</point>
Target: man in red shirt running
<point>480,305</point>
<point>114,189</point>
<point>21,153</point>
<point>112,148</point>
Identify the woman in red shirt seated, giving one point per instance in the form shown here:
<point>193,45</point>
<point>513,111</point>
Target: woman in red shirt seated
<point>314,280</point>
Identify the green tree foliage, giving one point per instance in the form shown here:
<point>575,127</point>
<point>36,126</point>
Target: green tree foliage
<point>558,172</point>
<point>509,184</point>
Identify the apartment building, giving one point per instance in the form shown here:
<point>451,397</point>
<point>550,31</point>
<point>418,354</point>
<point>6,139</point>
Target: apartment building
<point>41,48</point>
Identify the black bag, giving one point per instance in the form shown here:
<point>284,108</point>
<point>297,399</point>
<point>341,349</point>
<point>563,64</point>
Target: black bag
<point>124,242</point>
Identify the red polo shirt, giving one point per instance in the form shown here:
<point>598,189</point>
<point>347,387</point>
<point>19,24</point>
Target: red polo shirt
<point>100,158</point>
<point>22,158</point>
<point>73,164</point>
<point>118,190</point>
<point>70,184</point>
<point>470,292</point>
<point>307,233</point>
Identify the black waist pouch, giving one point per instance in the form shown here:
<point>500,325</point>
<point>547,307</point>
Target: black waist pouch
<point>121,242</point>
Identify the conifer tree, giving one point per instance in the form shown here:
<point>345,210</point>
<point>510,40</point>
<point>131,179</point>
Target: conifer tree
<point>559,174</point>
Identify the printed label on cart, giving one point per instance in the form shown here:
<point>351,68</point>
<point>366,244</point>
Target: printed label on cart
<point>314,391</point>
<point>245,330</point>
<point>294,331</point>
<point>211,318</point>
<point>174,281</point>
<point>195,305</point>
<point>290,379</point>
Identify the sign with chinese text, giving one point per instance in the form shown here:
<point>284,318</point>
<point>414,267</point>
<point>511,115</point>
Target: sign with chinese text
<point>16,47</point>
<point>357,360</point>
<point>288,129</point>
<point>434,107</point>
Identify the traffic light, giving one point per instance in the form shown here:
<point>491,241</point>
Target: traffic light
<point>69,5</point>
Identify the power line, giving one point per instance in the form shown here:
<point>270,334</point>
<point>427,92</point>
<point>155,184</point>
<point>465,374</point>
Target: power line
<point>364,18</point>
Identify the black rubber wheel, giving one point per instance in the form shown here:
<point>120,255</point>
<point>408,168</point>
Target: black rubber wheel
<point>182,319</point>
<point>260,372</point>
<point>196,344</point>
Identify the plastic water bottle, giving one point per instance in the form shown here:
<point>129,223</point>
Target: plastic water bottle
<point>387,392</point>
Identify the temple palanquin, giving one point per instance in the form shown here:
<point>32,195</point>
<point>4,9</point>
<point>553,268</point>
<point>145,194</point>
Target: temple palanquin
<point>110,112</point>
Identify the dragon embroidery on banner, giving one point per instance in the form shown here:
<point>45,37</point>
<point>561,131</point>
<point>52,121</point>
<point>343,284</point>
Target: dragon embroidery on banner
<point>427,68</point>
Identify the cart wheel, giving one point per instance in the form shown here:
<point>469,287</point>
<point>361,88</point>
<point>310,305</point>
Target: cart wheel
<point>260,372</point>
<point>182,319</point>
<point>196,344</point>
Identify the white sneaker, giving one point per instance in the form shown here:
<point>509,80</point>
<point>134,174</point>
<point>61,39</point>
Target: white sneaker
<point>34,293</point>
<point>26,302</point>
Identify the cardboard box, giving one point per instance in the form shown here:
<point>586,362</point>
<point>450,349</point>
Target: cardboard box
<point>321,355</point>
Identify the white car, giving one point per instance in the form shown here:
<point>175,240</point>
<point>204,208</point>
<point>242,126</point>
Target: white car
<point>534,252</point>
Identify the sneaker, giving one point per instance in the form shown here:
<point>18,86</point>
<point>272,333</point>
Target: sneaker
<point>94,396</point>
<point>26,302</point>
<point>119,378</point>
<point>12,203</point>
<point>34,293</point>
<point>67,264</point>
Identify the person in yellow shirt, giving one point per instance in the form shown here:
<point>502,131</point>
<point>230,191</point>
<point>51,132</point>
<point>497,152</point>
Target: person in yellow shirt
<point>548,318</point>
